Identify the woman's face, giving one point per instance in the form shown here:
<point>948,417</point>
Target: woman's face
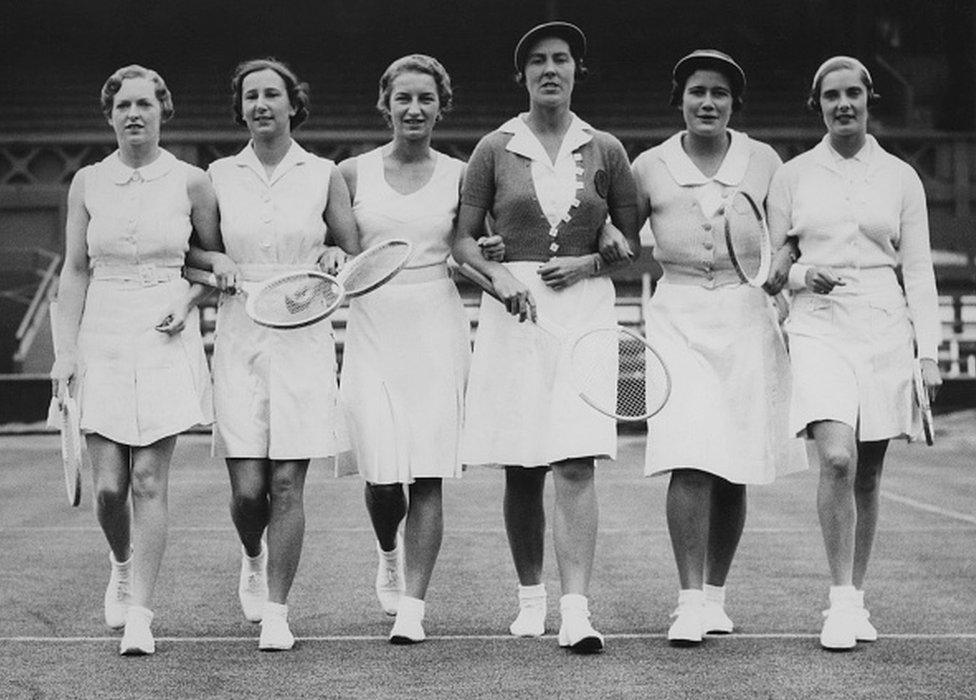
<point>414,105</point>
<point>136,113</point>
<point>706,103</point>
<point>550,72</point>
<point>265,106</point>
<point>844,103</point>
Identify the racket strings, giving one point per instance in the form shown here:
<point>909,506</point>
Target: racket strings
<point>296,298</point>
<point>375,266</point>
<point>617,373</point>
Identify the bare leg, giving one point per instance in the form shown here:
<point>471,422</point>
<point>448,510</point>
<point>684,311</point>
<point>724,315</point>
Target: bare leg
<point>727,518</point>
<point>386,505</point>
<point>689,504</point>
<point>250,508</point>
<point>867,492</point>
<point>110,481</point>
<point>286,528</point>
<point>835,496</point>
<point>150,486</point>
<point>575,523</point>
<point>525,521</point>
<point>423,534</point>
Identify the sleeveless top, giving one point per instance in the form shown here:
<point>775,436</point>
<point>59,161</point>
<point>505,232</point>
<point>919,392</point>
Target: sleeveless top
<point>425,217</point>
<point>138,216</point>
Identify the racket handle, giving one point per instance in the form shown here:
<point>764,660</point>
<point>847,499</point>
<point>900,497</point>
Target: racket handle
<point>473,275</point>
<point>195,274</point>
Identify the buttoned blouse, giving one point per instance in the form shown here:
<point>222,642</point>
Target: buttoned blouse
<point>541,207</point>
<point>138,216</point>
<point>689,243</point>
<point>276,220</point>
<point>858,214</point>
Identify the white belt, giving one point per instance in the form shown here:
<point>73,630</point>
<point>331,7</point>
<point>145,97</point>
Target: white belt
<point>147,275</point>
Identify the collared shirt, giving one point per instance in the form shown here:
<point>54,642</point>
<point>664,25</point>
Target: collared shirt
<point>138,216</point>
<point>544,208</point>
<point>686,206</point>
<point>276,220</point>
<point>860,215</point>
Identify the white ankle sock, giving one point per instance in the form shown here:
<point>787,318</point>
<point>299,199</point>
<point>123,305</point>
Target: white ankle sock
<point>411,607</point>
<point>691,596</point>
<point>715,594</point>
<point>532,592</point>
<point>842,594</point>
<point>574,602</point>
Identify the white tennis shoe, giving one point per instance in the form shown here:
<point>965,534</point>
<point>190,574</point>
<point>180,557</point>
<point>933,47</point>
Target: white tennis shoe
<point>275,633</point>
<point>575,631</point>
<point>838,632</point>
<point>390,582</point>
<point>408,628</point>
<point>252,586</point>
<point>531,619</point>
<point>689,624</point>
<point>137,640</point>
<point>118,592</point>
<point>714,619</point>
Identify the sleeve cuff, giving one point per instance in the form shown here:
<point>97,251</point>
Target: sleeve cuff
<point>798,276</point>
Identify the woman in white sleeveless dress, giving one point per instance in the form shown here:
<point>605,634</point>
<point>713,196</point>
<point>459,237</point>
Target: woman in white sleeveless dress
<point>407,348</point>
<point>128,333</point>
<point>276,400</point>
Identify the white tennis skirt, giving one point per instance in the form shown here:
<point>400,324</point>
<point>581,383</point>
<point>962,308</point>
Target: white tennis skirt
<point>404,371</point>
<point>728,413</point>
<point>521,407</point>
<point>852,354</point>
<point>138,385</point>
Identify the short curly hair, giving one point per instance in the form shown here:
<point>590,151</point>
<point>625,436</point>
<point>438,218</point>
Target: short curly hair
<point>114,83</point>
<point>296,89</point>
<point>415,63</point>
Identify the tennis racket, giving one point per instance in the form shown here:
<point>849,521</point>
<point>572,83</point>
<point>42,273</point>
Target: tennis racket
<point>615,370</point>
<point>923,403</point>
<point>65,415</point>
<point>374,267</point>
<point>290,300</point>
<point>747,240</point>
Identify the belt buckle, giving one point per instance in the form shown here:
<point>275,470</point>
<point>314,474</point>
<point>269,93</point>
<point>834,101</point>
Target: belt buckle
<point>147,274</point>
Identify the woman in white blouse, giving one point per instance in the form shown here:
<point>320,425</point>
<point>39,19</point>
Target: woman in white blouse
<point>275,394</point>
<point>725,425</point>
<point>858,213</point>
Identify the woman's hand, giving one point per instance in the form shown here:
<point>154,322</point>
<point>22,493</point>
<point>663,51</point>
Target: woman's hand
<point>779,271</point>
<point>62,374</point>
<point>613,245</point>
<point>562,272</point>
<point>492,248</point>
<point>931,376</point>
<point>515,295</point>
<point>332,260</point>
<point>173,320</point>
<point>822,280</point>
<point>226,272</point>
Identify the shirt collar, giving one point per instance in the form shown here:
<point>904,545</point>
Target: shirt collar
<point>686,173</point>
<point>828,157</point>
<point>122,173</point>
<point>525,143</point>
<point>295,156</point>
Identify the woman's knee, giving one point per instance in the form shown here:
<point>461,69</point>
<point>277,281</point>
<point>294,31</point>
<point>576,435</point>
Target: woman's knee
<point>578,472</point>
<point>837,463</point>
<point>111,494</point>
<point>385,495</point>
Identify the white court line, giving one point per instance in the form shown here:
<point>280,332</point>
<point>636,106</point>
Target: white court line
<point>929,508</point>
<point>948,636</point>
<point>490,530</point>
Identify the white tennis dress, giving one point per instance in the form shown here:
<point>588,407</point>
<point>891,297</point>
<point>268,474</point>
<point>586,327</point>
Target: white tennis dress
<point>275,393</point>
<point>407,350</point>
<point>728,413</point>
<point>138,385</point>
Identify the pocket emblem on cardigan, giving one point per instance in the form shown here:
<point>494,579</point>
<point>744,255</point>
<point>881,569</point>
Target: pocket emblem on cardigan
<point>602,183</point>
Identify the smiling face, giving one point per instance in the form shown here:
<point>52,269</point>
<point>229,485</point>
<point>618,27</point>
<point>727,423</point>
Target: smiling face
<point>414,105</point>
<point>265,106</point>
<point>706,103</point>
<point>136,113</point>
<point>550,72</point>
<point>844,103</point>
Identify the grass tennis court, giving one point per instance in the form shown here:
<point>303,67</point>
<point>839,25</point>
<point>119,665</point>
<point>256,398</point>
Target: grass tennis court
<point>921,591</point>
